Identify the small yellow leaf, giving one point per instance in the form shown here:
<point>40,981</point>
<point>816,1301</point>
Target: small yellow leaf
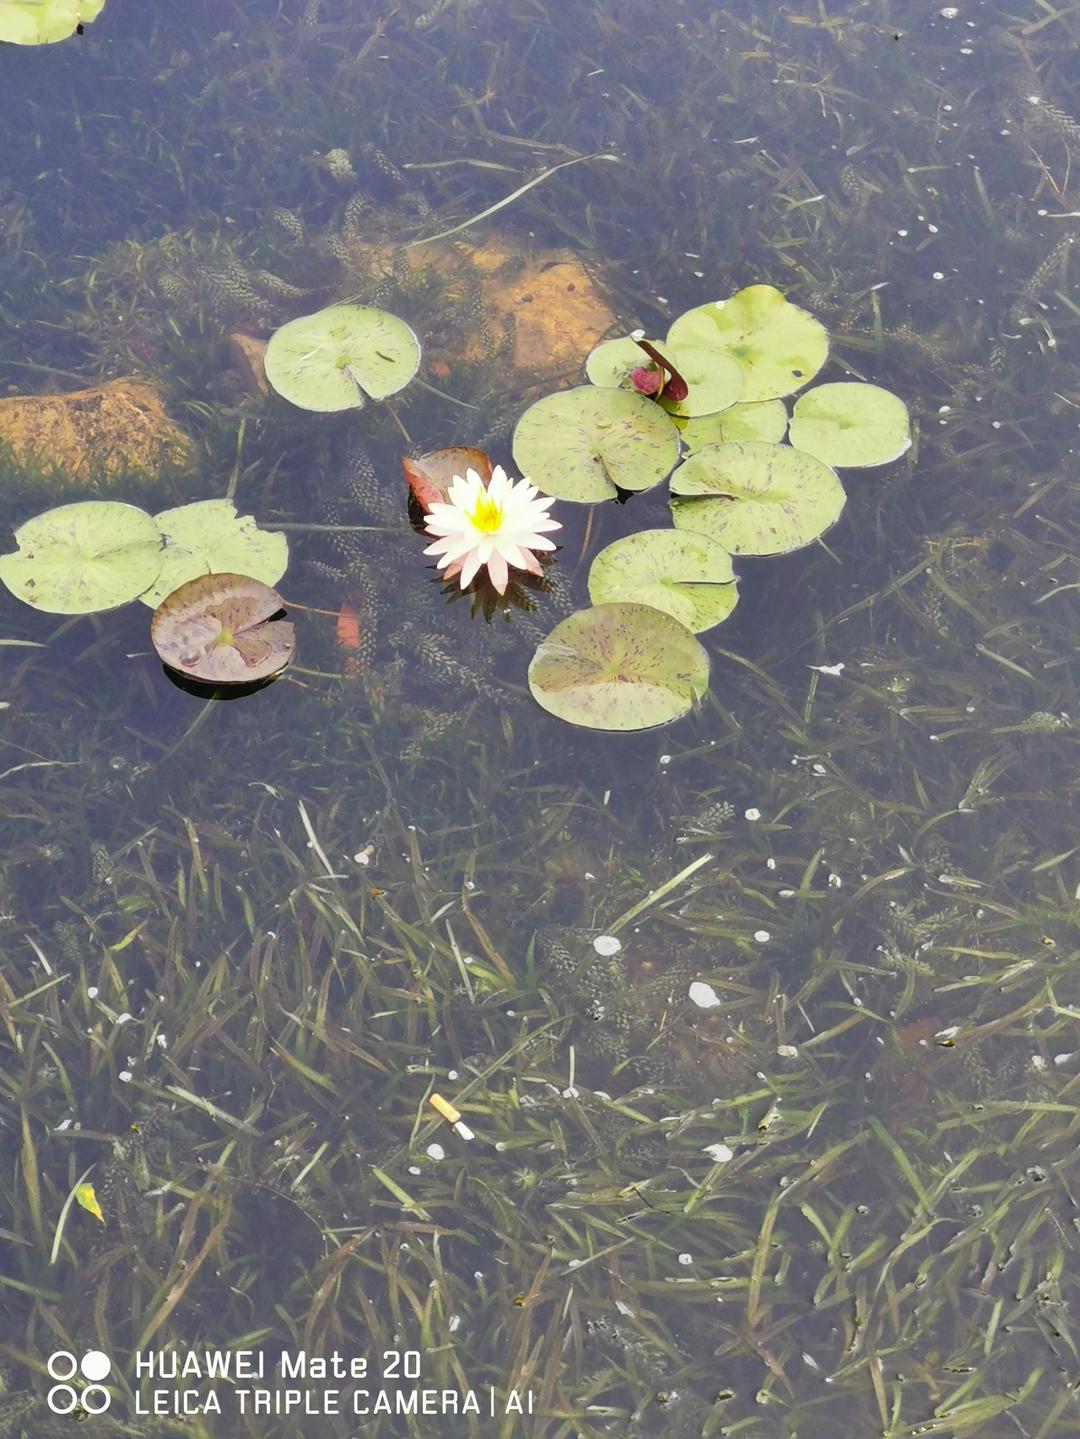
<point>87,1199</point>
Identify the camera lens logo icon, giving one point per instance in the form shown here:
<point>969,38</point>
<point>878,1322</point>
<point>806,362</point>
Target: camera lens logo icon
<point>93,1397</point>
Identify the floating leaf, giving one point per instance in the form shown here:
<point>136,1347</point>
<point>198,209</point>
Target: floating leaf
<point>755,498</point>
<point>40,22</point>
<point>219,628</point>
<point>780,347</point>
<point>689,577</point>
<point>429,475</point>
<point>340,357</point>
<point>79,559</point>
<point>760,420</point>
<point>851,424</point>
<point>86,1198</point>
<point>209,537</point>
<point>586,444</point>
<point>619,667</point>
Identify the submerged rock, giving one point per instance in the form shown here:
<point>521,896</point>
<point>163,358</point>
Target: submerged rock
<point>546,301</point>
<point>108,430</point>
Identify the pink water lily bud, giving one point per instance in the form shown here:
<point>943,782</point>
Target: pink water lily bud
<point>646,380</point>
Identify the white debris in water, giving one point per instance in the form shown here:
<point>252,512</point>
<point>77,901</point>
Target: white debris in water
<point>770,863</point>
<point>92,991</point>
<point>125,1076</point>
<point>787,1051</point>
<point>949,12</point>
<point>436,1151</point>
<point>828,669</point>
<point>607,945</point>
<point>762,936</point>
<point>686,1259</point>
<point>703,995</point>
<point>752,814</point>
<point>364,857</point>
<point>124,1018</point>
<point>719,1153</point>
<point>835,881</point>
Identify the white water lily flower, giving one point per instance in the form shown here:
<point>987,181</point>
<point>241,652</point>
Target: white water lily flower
<point>499,525</point>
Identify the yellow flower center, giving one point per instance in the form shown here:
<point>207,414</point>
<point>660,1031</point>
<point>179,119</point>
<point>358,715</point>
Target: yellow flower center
<point>487,517</point>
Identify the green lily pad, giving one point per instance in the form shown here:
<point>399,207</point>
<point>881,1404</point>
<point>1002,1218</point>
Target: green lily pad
<point>586,444</point>
<point>689,577</point>
<point>759,420</point>
<point>780,347</point>
<point>754,498</point>
<point>340,357</point>
<point>79,559</point>
<point>851,424</point>
<point>209,537</point>
<point>40,22</point>
<point>619,667</point>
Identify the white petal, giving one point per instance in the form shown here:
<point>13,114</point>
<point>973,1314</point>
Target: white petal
<point>469,568</point>
<point>500,575</point>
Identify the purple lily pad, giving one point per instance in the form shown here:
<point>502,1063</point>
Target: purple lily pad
<point>218,628</point>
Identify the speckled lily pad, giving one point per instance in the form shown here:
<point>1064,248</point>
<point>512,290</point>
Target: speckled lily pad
<point>688,576</point>
<point>851,424</point>
<point>209,537</point>
<point>586,444</point>
<point>759,420</point>
<point>219,629</point>
<point>619,667</point>
<point>340,357</point>
<point>780,347</point>
<point>755,498</point>
<point>80,559</point>
<point>41,22</point>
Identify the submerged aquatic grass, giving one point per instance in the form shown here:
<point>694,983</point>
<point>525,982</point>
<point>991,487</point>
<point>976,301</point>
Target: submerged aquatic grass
<point>244,944</point>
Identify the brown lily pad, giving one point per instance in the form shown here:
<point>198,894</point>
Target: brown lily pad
<point>220,629</point>
<point>429,475</point>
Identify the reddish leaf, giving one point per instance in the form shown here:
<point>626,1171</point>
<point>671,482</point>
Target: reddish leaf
<point>348,636</point>
<point>429,475</point>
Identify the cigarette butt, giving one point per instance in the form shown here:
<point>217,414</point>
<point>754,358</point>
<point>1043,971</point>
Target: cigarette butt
<point>445,1108</point>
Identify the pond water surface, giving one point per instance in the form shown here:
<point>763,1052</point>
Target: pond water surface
<point>762,1024</point>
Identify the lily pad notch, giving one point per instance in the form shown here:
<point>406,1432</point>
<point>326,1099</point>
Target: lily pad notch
<point>341,357</point>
